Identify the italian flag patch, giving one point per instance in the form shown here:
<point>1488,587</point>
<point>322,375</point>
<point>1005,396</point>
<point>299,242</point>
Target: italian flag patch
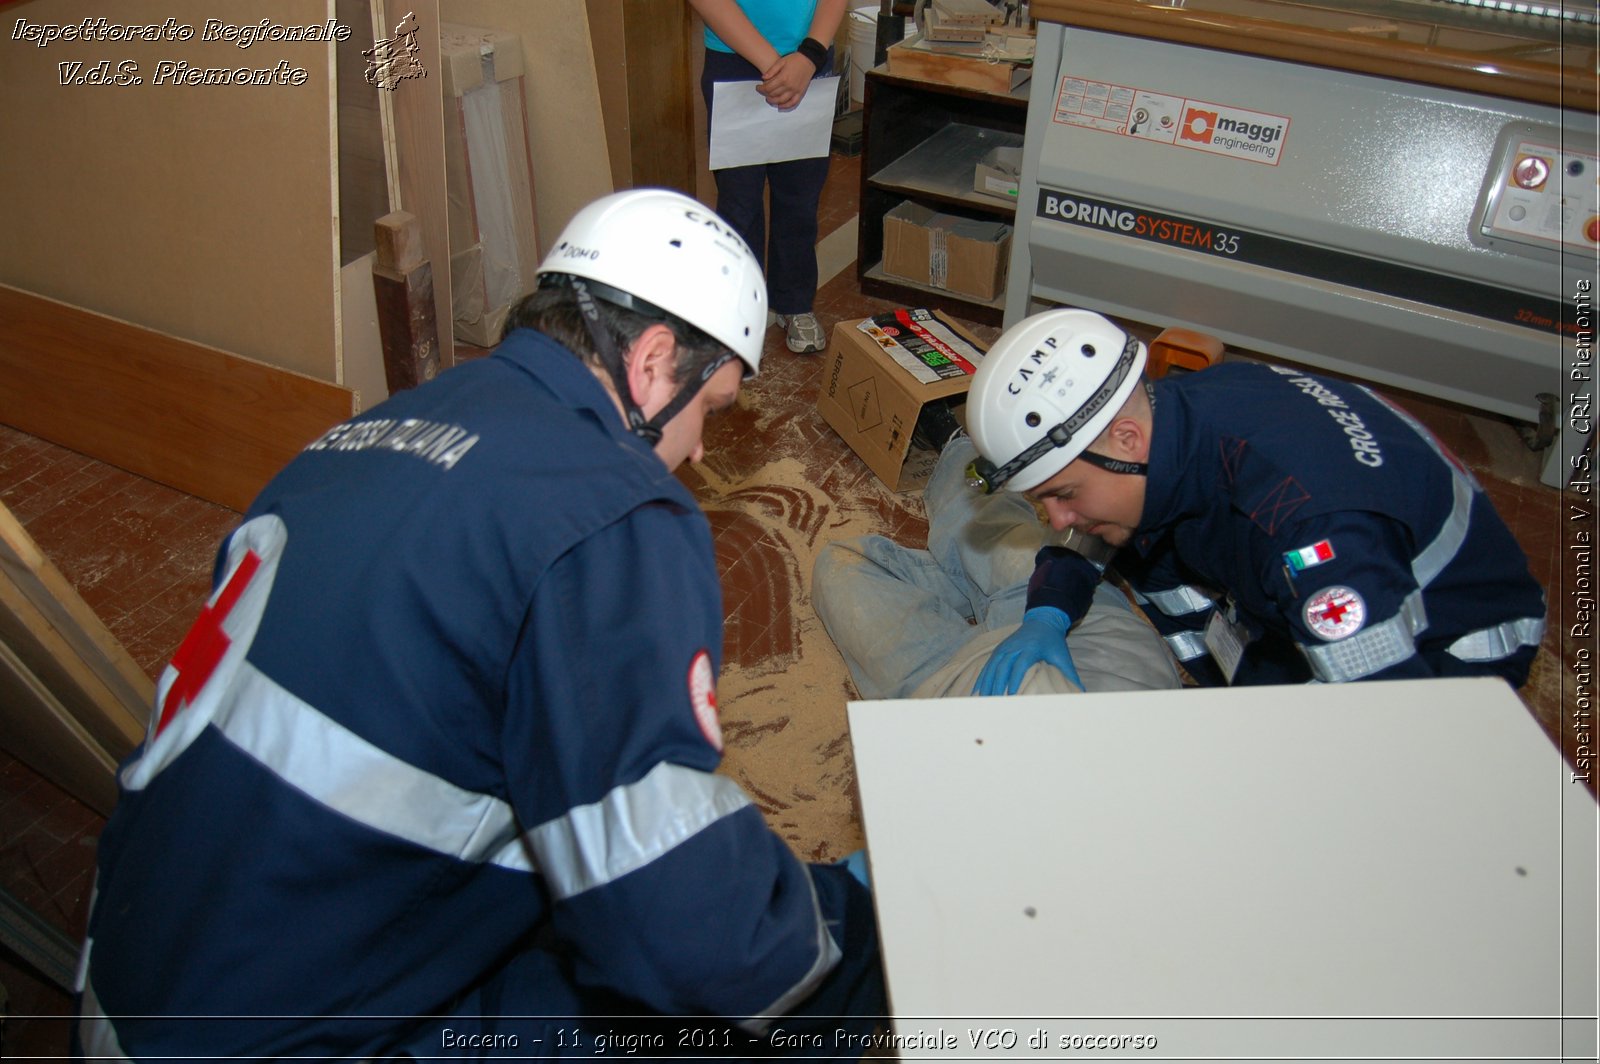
<point>1306,557</point>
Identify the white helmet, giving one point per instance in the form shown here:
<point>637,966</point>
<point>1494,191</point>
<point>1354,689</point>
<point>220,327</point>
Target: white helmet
<point>673,253</point>
<point>1045,391</point>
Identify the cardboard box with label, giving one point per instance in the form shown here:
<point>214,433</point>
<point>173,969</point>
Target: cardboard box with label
<point>880,373</point>
<point>960,255</point>
<point>998,174</point>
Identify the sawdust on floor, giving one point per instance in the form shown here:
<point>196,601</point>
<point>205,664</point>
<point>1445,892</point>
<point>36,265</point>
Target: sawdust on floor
<point>784,687</point>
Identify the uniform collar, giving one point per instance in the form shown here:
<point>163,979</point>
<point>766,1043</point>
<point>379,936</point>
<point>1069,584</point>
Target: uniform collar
<point>568,378</point>
<point>1182,469</point>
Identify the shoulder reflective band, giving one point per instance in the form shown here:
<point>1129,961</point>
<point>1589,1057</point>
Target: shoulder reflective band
<point>982,474</point>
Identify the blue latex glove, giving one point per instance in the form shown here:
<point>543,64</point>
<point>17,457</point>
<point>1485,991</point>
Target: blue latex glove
<point>856,865</point>
<point>1042,637</point>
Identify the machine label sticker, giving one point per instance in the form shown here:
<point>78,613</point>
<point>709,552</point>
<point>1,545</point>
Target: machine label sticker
<point>1217,128</point>
<point>703,697</point>
<point>1335,613</point>
<point>1305,260</point>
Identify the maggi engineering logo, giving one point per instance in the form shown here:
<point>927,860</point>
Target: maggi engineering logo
<point>1204,126</point>
<point>1197,125</point>
<point>1241,134</point>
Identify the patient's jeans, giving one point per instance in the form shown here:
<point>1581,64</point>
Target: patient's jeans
<point>900,614</point>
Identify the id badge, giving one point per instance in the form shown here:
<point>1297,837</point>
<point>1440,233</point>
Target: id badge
<point>1226,640</point>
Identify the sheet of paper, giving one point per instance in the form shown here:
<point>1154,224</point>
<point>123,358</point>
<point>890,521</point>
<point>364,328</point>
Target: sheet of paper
<point>746,130</point>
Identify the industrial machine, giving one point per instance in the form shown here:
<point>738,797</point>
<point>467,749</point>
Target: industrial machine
<point>1405,191</point>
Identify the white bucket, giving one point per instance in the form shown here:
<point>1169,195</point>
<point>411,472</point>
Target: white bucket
<point>864,47</point>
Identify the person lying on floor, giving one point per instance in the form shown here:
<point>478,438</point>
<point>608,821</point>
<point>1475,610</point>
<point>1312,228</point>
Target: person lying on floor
<point>947,621</point>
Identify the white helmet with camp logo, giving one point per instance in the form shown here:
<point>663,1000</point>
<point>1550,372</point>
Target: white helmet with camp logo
<point>659,248</point>
<point>1046,390</point>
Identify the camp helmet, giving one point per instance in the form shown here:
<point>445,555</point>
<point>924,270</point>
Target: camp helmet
<point>674,253</point>
<point>1046,390</point>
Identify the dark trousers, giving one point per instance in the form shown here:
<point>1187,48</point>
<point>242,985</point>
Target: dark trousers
<point>787,247</point>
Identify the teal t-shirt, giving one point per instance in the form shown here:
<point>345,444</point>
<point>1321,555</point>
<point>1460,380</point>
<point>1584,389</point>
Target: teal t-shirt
<point>782,22</point>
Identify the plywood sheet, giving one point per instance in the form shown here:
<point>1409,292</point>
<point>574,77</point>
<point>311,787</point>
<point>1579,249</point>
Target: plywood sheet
<point>193,417</point>
<point>416,107</point>
<point>1392,869</point>
<point>72,702</point>
<point>570,162</point>
<point>39,731</point>
<point>203,211</point>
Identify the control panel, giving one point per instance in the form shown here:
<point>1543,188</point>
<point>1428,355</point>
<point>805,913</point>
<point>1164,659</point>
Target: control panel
<point>1543,191</point>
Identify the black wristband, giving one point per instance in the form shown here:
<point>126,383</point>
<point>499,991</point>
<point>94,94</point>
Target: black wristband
<point>813,50</point>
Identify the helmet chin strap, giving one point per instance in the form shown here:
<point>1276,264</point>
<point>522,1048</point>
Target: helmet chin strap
<point>650,429</point>
<point>637,424</point>
<point>1115,465</point>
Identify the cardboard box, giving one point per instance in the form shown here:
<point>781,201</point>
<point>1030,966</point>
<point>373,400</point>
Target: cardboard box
<point>945,251</point>
<point>880,373</point>
<point>998,174</point>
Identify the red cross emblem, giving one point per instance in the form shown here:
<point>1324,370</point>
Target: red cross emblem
<point>1335,612</point>
<point>202,649</point>
<point>703,697</point>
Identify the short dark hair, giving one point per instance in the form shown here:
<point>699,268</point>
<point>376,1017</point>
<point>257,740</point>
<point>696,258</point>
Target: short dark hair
<point>554,311</point>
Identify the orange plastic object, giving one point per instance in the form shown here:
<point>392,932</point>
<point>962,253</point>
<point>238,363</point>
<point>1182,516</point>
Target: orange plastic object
<point>1182,349</point>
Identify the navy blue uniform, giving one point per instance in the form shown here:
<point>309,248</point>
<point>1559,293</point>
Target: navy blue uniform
<point>443,745</point>
<point>1343,540</point>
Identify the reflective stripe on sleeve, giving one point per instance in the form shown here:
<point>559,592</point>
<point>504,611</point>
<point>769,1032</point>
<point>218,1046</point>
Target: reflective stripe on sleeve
<point>1187,646</point>
<point>1178,602</point>
<point>1375,647</point>
<point>1439,553</point>
<point>339,769</point>
<point>630,827</point>
<point>586,847</point>
<point>828,955</point>
<point>99,1038</point>
<point>1486,644</point>
<point>1500,641</point>
<point>1433,558</point>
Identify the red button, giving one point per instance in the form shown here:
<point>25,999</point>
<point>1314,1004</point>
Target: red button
<point>1591,230</point>
<point>1530,172</point>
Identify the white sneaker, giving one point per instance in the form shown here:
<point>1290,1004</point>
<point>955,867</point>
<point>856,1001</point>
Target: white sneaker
<point>804,333</point>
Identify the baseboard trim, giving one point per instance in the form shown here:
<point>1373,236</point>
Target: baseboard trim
<point>196,418</point>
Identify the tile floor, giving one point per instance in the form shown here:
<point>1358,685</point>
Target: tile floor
<point>141,556</point>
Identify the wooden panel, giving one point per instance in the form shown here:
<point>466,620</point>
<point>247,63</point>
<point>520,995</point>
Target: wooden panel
<point>72,702</point>
<point>570,163</point>
<point>37,730</point>
<point>363,177</point>
<point>363,343</point>
<point>201,420</point>
<point>56,617</point>
<point>402,280</point>
<point>204,211</point>
<point>608,40</point>
<point>417,107</point>
<point>660,94</point>
<point>911,59</point>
